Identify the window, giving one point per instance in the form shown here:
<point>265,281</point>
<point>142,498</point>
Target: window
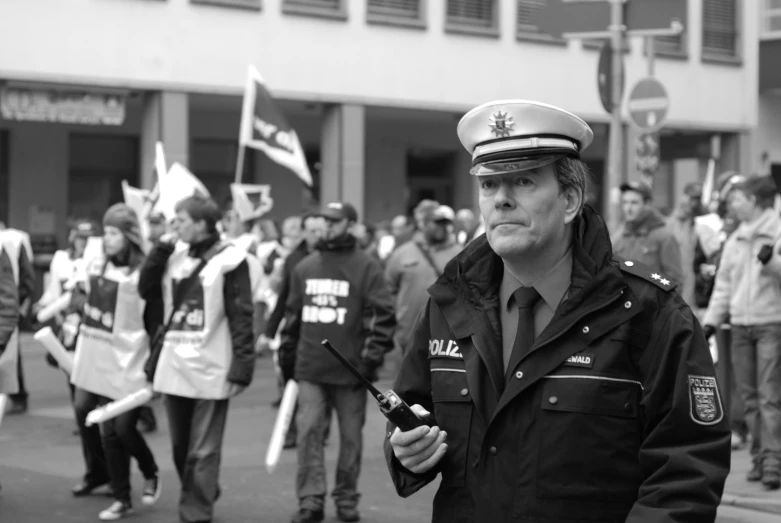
<point>243,4</point>
<point>4,176</point>
<point>525,28</point>
<point>771,20</point>
<point>472,17</point>
<point>336,9</point>
<point>396,12</point>
<point>720,30</point>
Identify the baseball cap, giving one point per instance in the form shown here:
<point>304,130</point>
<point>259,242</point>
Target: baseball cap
<point>443,213</point>
<point>638,187</point>
<point>339,211</point>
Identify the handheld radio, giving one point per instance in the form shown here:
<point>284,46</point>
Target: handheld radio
<point>391,405</point>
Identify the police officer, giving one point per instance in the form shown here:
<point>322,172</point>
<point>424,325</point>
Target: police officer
<point>562,384</point>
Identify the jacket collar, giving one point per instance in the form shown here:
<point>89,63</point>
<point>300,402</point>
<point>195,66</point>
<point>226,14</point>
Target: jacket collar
<point>467,293</point>
<point>767,224</point>
<point>647,223</point>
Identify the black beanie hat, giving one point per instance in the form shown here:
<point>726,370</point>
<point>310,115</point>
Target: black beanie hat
<point>124,218</point>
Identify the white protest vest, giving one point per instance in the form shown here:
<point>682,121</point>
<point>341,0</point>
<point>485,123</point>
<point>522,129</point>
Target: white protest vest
<point>9,383</point>
<point>197,350</point>
<point>113,345</point>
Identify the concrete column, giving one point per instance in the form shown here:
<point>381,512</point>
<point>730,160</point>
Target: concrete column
<point>736,153</point>
<point>165,118</point>
<point>342,156</point>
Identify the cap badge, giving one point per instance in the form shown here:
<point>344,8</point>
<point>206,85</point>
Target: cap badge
<point>501,124</point>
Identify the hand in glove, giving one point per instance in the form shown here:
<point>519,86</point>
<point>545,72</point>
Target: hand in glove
<point>765,253</point>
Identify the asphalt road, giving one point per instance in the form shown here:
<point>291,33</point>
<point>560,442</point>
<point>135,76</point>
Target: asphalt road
<point>40,459</point>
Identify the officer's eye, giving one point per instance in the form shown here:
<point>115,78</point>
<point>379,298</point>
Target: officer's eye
<point>523,181</point>
<point>487,185</point>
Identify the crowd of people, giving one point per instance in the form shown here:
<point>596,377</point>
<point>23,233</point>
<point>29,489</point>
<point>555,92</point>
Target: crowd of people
<point>189,308</point>
<point>138,312</point>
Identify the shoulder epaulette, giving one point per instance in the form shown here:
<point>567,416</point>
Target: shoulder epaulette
<point>643,271</point>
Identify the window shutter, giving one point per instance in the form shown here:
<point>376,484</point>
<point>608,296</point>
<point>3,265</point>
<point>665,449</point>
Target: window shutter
<point>525,16</point>
<point>317,4</point>
<point>479,13</point>
<point>669,44</point>
<point>395,8</point>
<point>719,28</point>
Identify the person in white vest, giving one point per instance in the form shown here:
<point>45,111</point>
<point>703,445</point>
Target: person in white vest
<point>110,354</point>
<point>204,354</point>
<point>17,243</point>
<point>9,319</point>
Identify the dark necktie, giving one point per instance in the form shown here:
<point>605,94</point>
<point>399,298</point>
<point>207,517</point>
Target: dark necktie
<point>525,299</point>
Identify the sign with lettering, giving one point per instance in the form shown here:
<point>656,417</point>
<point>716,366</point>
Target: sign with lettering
<point>69,107</point>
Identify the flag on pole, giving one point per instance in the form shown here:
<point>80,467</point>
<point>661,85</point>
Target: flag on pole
<point>251,201</point>
<point>140,201</point>
<point>265,128</point>
<point>175,186</point>
<point>710,183</point>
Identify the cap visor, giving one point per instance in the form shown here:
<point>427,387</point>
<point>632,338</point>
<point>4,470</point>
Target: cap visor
<point>491,168</point>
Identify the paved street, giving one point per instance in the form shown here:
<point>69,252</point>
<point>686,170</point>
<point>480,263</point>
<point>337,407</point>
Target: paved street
<point>40,460</point>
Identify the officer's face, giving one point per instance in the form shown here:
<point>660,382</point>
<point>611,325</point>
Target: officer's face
<point>632,205</point>
<point>526,212</point>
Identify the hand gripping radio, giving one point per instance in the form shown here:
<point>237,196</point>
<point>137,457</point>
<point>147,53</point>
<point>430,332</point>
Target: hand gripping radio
<point>391,405</point>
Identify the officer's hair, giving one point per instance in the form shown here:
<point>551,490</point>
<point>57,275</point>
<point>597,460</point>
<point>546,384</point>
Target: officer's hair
<point>572,173</point>
<point>200,208</point>
<point>761,187</point>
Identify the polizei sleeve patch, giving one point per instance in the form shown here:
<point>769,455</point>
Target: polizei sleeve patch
<point>704,400</point>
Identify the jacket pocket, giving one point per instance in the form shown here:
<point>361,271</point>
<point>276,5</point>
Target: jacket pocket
<point>589,439</point>
<point>453,412</point>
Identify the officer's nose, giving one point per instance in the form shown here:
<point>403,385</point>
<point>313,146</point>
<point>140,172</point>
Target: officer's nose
<point>503,198</point>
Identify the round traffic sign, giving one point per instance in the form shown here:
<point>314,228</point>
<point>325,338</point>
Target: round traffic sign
<point>648,105</point>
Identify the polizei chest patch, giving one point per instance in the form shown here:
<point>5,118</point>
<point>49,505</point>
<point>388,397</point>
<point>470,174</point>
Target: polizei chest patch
<point>580,359</point>
<point>704,400</point>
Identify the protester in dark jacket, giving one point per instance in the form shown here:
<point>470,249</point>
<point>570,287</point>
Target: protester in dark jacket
<point>337,293</point>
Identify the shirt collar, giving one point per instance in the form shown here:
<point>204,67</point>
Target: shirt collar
<point>552,287</point>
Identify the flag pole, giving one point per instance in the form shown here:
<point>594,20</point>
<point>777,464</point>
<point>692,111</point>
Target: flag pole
<point>240,163</point>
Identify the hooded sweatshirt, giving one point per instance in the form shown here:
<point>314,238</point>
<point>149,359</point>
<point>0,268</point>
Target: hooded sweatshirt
<point>747,290</point>
<point>649,241</point>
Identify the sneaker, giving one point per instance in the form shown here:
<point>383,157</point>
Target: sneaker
<point>771,475</point>
<point>347,514</point>
<point>152,489</point>
<point>305,515</point>
<point>118,510</point>
<point>755,474</point>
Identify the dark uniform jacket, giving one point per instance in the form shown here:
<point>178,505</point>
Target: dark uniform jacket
<point>613,416</point>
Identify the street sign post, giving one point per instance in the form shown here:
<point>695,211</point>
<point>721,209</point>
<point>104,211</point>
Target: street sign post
<point>590,18</point>
<point>605,77</point>
<point>614,20</point>
<point>648,105</point>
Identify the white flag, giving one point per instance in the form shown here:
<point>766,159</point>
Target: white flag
<point>251,201</point>
<point>265,128</point>
<point>174,187</point>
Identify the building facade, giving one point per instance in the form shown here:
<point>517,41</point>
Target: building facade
<point>768,135</point>
<point>374,88</point>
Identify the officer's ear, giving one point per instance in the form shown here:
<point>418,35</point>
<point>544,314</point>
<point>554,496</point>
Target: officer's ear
<point>573,203</point>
